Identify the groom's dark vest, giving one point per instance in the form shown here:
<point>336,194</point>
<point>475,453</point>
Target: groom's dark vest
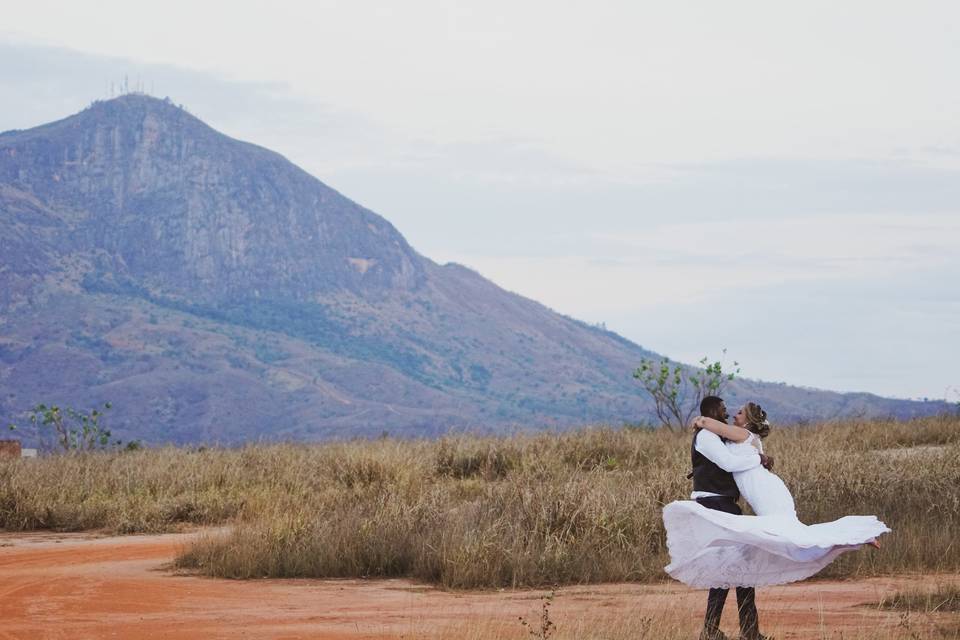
<point>707,476</point>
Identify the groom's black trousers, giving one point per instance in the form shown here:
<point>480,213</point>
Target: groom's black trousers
<point>746,603</point>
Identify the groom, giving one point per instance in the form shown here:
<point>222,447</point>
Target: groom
<point>715,488</point>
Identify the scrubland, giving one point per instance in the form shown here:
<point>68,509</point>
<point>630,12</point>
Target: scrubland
<point>476,512</point>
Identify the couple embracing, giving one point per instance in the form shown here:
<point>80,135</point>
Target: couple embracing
<point>712,545</point>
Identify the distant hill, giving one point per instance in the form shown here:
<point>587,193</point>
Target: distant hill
<point>213,291</point>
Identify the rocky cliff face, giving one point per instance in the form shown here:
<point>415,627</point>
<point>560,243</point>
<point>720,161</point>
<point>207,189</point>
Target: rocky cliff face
<point>211,290</point>
<point>184,211</point>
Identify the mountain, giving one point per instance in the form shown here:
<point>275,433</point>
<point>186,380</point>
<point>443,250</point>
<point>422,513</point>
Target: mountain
<point>213,291</point>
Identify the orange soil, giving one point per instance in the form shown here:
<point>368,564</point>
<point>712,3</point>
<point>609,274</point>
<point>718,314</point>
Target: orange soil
<point>77,586</point>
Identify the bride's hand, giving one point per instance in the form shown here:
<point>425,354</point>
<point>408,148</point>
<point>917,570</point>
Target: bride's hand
<point>766,462</point>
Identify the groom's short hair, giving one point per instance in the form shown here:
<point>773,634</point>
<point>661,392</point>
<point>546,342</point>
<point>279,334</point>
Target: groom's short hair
<point>709,405</point>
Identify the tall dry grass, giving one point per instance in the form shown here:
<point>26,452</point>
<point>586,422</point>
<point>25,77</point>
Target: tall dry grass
<point>526,510</point>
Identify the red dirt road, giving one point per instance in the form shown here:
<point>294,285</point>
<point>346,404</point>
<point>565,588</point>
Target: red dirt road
<point>79,586</point>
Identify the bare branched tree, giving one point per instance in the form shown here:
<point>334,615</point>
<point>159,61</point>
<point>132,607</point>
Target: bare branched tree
<point>677,389</point>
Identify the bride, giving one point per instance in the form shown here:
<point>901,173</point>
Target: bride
<point>710,548</point>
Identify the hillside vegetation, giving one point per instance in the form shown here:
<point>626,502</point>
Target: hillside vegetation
<point>469,511</point>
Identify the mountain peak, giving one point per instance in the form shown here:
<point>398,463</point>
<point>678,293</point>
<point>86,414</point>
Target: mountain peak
<point>172,206</point>
<point>127,110</point>
<point>138,105</point>
<point>136,100</point>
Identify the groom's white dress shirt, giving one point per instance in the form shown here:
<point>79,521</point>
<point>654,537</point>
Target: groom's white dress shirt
<point>711,446</point>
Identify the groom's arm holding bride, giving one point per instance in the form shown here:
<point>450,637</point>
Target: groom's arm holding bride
<point>709,443</point>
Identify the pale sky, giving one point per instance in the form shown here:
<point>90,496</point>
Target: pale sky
<point>780,179</point>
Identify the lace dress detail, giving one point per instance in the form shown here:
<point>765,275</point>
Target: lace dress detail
<point>710,548</point>
<point>764,491</point>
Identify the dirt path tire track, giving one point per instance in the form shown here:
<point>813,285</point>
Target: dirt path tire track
<point>77,586</point>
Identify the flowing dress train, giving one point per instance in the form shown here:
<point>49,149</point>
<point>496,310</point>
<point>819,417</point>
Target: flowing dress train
<point>710,548</point>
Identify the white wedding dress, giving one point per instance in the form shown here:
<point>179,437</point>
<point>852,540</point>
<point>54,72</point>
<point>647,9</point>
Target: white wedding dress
<point>710,548</point>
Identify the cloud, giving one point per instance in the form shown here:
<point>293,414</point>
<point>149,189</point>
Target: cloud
<point>699,262</point>
<point>896,335</point>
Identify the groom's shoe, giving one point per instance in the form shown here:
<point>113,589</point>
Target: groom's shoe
<point>759,636</point>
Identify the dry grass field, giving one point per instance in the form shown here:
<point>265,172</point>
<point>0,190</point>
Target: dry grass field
<point>530,512</point>
<point>468,512</point>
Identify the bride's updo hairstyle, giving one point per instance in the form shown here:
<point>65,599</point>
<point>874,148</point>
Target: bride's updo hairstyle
<point>757,419</point>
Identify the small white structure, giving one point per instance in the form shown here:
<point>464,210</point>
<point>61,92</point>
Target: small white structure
<point>28,453</point>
